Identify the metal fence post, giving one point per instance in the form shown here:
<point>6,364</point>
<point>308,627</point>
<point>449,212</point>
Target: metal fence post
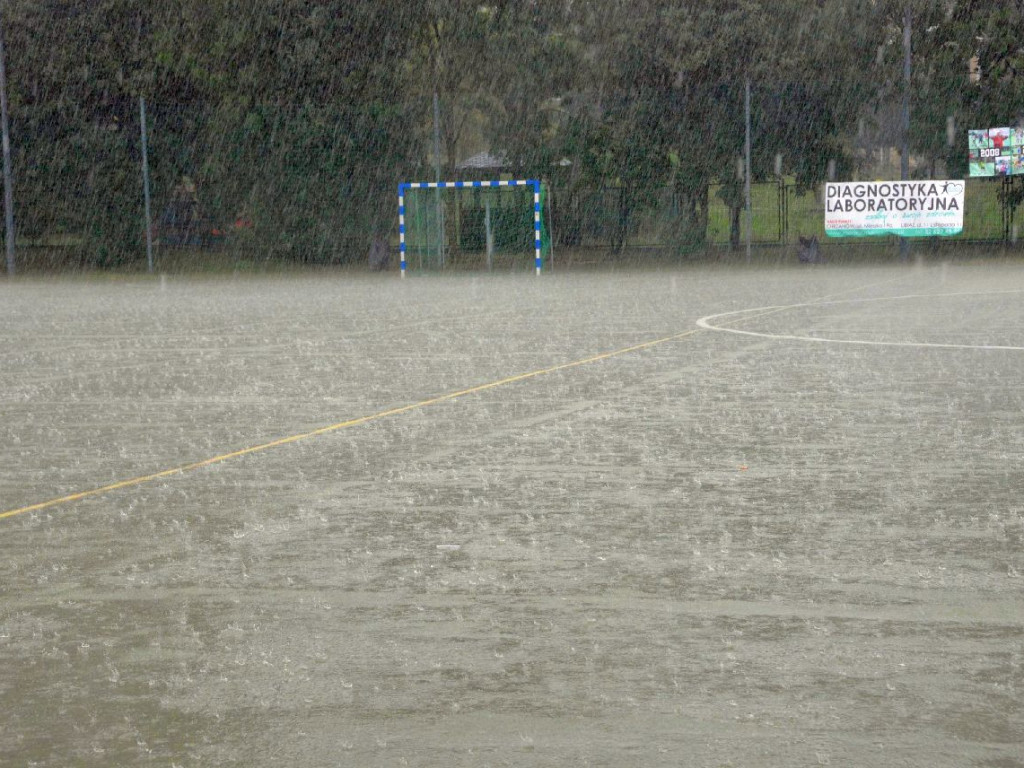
<point>145,185</point>
<point>8,183</point>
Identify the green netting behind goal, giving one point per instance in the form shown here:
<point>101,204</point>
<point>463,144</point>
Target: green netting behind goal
<point>474,225</point>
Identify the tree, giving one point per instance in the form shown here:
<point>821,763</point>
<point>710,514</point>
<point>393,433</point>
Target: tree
<point>74,125</point>
<point>657,97</point>
<point>302,116</point>
<point>307,128</point>
<point>293,113</point>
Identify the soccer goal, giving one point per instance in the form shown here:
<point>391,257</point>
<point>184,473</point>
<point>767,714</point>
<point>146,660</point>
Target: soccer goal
<point>443,223</point>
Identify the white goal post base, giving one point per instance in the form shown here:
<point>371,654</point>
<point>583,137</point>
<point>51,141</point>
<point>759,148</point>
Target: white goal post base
<point>406,186</point>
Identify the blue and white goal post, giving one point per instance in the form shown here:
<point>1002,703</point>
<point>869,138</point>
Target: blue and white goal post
<point>406,187</point>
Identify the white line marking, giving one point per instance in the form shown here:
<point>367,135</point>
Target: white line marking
<point>707,324</point>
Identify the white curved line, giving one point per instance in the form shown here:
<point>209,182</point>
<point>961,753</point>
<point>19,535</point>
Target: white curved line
<point>706,323</point>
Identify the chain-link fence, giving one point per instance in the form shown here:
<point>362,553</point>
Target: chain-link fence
<point>781,213</point>
<point>267,183</point>
<point>306,184</point>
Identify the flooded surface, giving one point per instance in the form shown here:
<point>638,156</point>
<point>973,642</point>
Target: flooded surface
<point>718,550</point>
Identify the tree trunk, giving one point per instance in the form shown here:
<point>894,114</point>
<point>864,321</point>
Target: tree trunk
<point>734,228</point>
<point>621,228</point>
<point>693,217</point>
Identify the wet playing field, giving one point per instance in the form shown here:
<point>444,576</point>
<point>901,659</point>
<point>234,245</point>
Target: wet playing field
<point>705,517</point>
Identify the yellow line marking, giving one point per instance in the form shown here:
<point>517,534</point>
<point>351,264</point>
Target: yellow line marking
<point>384,414</point>
<point>340,425</point>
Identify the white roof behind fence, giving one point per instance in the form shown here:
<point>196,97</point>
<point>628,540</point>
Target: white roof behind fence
<point>482,160</point>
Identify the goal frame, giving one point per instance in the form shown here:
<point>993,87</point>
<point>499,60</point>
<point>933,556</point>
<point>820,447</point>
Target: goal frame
<point>404,187</point>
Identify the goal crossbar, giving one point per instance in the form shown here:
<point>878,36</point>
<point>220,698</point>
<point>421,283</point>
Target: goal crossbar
<point>404,188</point>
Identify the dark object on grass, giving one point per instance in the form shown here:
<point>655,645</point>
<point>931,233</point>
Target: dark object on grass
<point>380,255</point>
<point>808,251</point>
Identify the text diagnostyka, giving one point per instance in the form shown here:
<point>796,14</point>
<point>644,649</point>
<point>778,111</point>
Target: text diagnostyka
<point>905,208</point>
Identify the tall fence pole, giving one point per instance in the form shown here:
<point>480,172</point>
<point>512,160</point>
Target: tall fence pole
<point>437,177</point>
<point>488,234</point>
<point>1007,206</point>
<point>550,203</point>
<point>8,184</point>
<point>746,169</point>
<point>905,118</point>
<point>145,185</point>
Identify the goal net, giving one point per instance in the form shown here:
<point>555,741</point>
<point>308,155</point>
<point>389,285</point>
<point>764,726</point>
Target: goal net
<point>470,224</point>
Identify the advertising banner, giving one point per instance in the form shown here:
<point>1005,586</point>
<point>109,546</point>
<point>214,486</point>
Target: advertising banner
<point>996,151</point>
<point>905,208</point>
